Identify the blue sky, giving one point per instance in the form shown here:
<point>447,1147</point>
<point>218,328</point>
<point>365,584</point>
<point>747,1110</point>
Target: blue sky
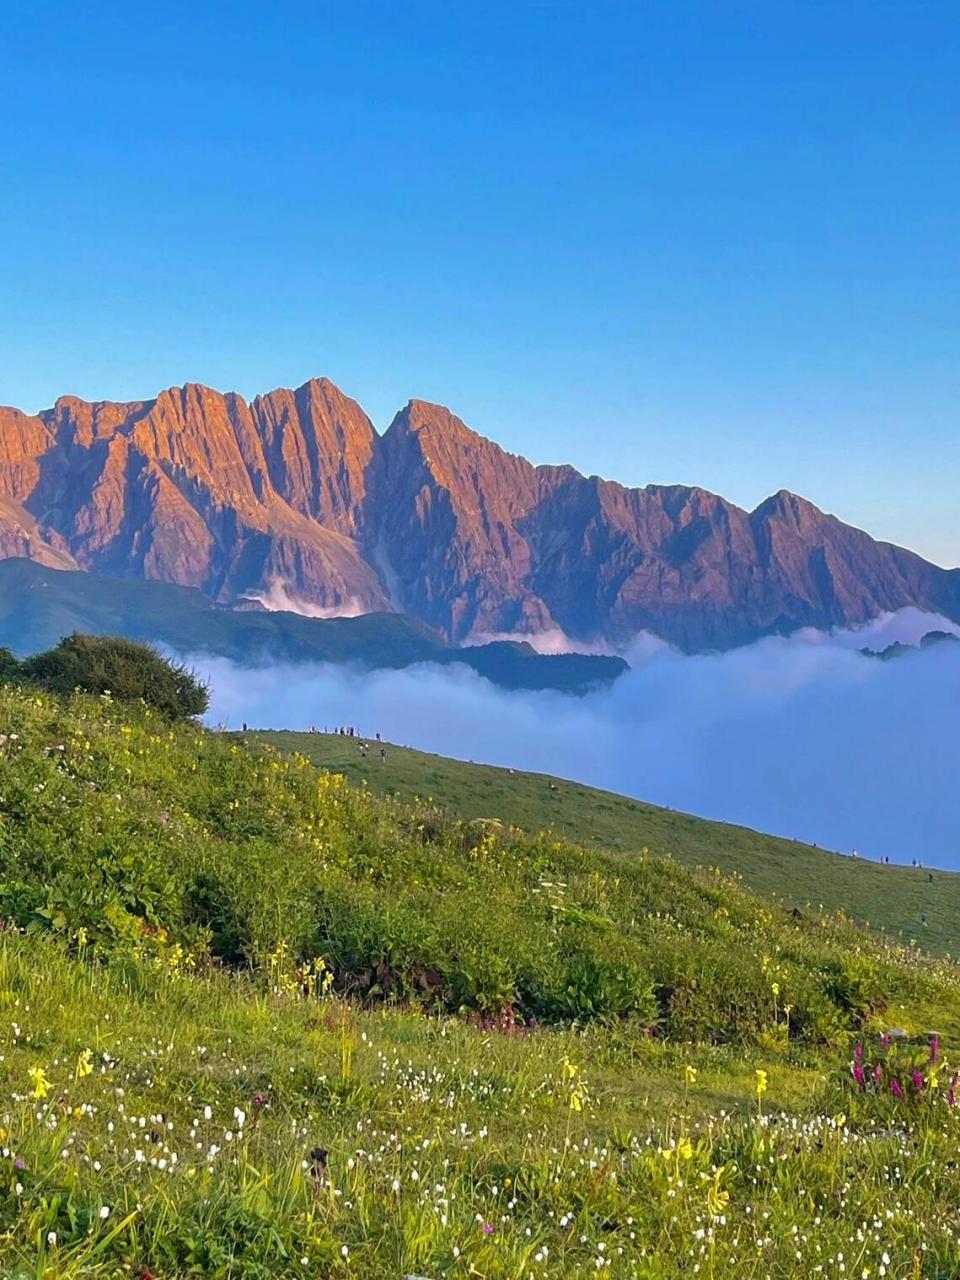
<point>711,243</point>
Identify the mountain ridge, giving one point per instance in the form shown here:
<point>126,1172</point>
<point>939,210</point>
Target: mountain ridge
<point>297,488</point>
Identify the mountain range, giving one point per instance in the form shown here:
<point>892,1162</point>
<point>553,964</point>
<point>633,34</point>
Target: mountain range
<point>294,496</point>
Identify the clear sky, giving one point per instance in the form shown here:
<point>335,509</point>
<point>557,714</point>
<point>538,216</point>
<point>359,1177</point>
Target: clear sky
<point>712,243</point>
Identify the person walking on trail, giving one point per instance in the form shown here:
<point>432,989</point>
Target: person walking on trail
<point>383,756</point>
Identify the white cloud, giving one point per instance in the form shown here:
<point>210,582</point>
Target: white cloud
<point>803,736</point>
<point>276,599</point>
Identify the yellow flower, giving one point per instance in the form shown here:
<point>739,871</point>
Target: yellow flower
<point>775,988</point>
<point>761,1081</point>
<point>41,1085</point>
<point>690,1074</point>
<point>684,1149</point>
<point>575,1103</point>
<point>569,1070</point>
<point>84,1064</point>
<point>717,1197</point>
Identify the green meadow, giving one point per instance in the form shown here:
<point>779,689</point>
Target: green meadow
<point>896,899</point>
<point>259,1021</point>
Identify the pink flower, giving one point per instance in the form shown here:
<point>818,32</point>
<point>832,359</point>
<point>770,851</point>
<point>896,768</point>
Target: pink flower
<point>934,1049</point>
<point>488,1228</point>
<point>896,1088</point>
<point>858,1075</point>
<point>917,1079</point>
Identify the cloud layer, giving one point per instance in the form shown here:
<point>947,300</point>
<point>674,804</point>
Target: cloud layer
<point>804,737</point>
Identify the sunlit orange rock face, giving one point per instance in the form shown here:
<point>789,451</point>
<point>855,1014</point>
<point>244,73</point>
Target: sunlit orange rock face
<point>297,491</point>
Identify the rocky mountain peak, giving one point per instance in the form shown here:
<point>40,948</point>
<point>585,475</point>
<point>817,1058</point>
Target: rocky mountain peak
<point>294,496</point>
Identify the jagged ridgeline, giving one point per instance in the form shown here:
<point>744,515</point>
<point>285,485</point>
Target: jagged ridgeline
<point>296,490</point>
<point>124,833</point>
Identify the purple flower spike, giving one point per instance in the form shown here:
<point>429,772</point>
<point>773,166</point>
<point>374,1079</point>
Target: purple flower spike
<point>917,1078</point>
<point>895,1088</point>
<point>934,1049</point>
<point>858,1053</point>
<point>858,1075</point>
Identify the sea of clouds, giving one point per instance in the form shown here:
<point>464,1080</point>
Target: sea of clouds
<point>804,736</point>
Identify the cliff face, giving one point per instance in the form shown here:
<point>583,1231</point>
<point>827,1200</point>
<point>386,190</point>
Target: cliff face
<point>297,490</point>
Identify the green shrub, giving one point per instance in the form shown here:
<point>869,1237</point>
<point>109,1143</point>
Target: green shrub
<point>125,669</point>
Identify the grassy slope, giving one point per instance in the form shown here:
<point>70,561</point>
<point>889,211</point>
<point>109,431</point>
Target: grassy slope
<point>451,1151</point>
<point>893,898</point>
<point>159,1114</point>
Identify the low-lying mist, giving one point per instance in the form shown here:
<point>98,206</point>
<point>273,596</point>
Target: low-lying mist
<point>804,737</point>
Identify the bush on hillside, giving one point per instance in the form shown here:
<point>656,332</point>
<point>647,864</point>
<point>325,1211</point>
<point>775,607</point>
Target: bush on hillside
<point>9,666</point>
<point>127,670</point>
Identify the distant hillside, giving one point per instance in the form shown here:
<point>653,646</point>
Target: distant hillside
<point>899,650</point>
<point>39,605</point>
<point>894,898</point>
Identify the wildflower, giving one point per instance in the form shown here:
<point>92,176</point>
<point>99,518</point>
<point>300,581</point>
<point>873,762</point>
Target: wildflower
<point>934,1049</point>
<point>84,1064</point>
<point>690,1074</point>
<point>761,1081</point>
<point>896,1088</point>
<point>487,1228</point>
<point>917,1078</point>
<point>858,1075</point>
<point>41,1085</point>
<point>104,1212</point>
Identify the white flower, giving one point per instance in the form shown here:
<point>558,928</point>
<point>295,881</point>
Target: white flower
<point>51,1237</point>
<point>240,1116</point>
<point>104,1212</point>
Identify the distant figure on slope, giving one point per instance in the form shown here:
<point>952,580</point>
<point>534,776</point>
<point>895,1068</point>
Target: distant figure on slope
<point>383,756</point>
